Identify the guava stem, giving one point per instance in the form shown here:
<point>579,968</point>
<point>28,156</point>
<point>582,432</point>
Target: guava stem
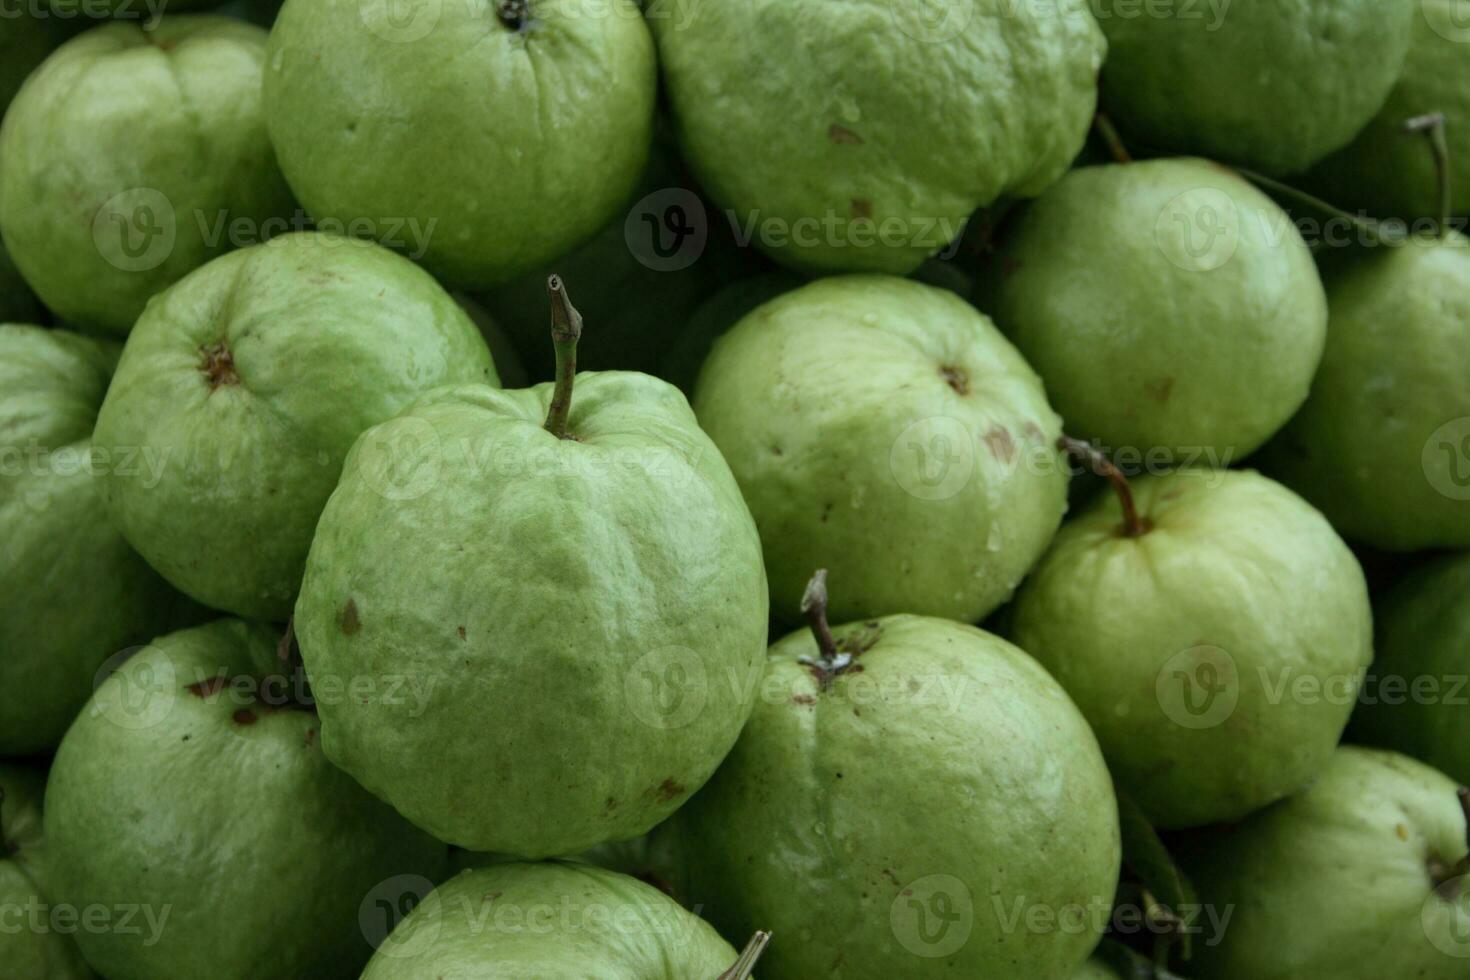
<point>1094,460</point>
<point>287,641</point>
<point>1432,126</point>
<point>566,330</point>
<point>1376,230</point>
<point>814,605</point>
<point>513,13</point>
<point>1111,139</point>
<point>748,957</point>
<point>1449,878</point>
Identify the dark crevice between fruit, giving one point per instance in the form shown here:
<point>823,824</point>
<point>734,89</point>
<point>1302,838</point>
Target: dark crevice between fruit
<point>7,846</point>
<point>956,378</point>
<point>287,691</point>
<point>1133,525</point>
<point>835,658</point>
<point>566,330</point>
<point>1449,879</point>
<point>515,15</point>
<point>218,366</point>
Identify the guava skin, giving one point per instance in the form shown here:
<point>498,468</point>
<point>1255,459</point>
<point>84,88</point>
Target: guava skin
<point>1231,562</point>
<point>247,382</point>
<point>1143,340</point>
<point>1388,174</point>
<point>474,553</point>
<point>1094,970</point>
<point>553,921</point>
<point>1378,446</point>
<point>945,756</point>
<point>128,156</point>
<point>1423,634</point>
<point>1272,84</point>
<point>1355,847</point>
<point>712,318</point>
<point>222,809</point>
<point>508,146</point>
<point>886,431</point>
<point>29,947</point>
<point>903,129</point>
<point>72,592</point>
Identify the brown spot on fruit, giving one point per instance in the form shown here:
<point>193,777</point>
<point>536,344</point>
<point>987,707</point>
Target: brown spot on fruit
<point>840,134</point>
<point>1000,443</point>
<point>244,716</point>
<point>668,790</point>
<point>956,378</point>
<point>861,208</point>
<point>218,366</point>
<point>1160,391</point>
<point>610,805</point>
<point>207,688</point>
<point>461,633</point>
<point>803,699</point>
<point>1402,831</point>
<point>347,620</point>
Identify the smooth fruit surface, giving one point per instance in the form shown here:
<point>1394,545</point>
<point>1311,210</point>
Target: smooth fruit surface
<point>1218,654</point>
<point>489,137</point>
<point>552,920</point>
<point>248,382</point>
<point>1272,84</point>
<point>72,592</point>
<point>1169,306</point>
<point>894,821</point>
<point>132,156</point>
<point>190,791</point>
<point>886,431</point>
<point>905,125</point>
<point>1382,444</point>
<point>591,605</point>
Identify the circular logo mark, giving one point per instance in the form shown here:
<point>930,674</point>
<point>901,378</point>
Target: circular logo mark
<point>388,904</point>
<point>932,21</point>
<point>667,230</point>
<point>934,458</point>
<point>135,230</point>
<point>1450,19</point>
<point>1199,230</point>
<point>1198,688</point>
<point>400,21</point>
<point>1445,917</point>
<point>667,688</point>
<point>400,459</point>
<point>1446,459</point>
<point>932,916</point>
<point>133,691</point>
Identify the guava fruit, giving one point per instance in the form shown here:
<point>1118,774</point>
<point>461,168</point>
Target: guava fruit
<point>34,945</point>
<point>557,919</point>
<point>25,41</point>
<point>193,789</point>
<point>1271,85</point>
<point>1361,876</point>
<point>134,154</point>
<point>1215,634</point>
<point>582,568</point>
<point>504,133</point>
<point>904,125</point>
<point>910,798</point>
<point>1417,702</point>
<point>17,305</point>
<point>1094,970</point>
<point>1382,444</point>
<point>1169,306</point>
<point>248,381</point>
<point>886,431</point>
<point>712,318</point>
<point>72,592</point>
<point>1384,170</point>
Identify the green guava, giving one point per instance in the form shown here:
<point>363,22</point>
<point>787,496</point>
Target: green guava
<point>194,790</point>
<point>246,383</point>
<point>34,943</point>
<point>594,583</point>
<point>886,431</point>
<point>557,919</point>
<point>25,41</point>
<point>1215,639</point>
<point>72,592</point>
<point>1382,444</point>
<point>17,305</point>
<point>1264,83</point>
<point>135,154</point>
<point>916,798</point>
<point>490,136</point>
<point>1417,702</point>
<point>1170,307</point>
<point>904,125</point>
<point>1386,171</point>
<point>1094,969</point>
<point>711,319</point>
<point>1361,876</point>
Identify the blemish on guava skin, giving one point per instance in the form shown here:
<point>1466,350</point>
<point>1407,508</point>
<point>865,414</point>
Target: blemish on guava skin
<point>1160,391</point>
<point>218,366</point>
<point>803,699</point>
<point>861,208</point>
<point>998,440</point>
<point>841,134</point>
<point>667,791</point>
<point>207,688</point>
<point>461,632</point>
<point>244,716</point>
<point>610,805</point>
<point>347,620</point>
<point>515,15</point>
<point>956,378</point>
